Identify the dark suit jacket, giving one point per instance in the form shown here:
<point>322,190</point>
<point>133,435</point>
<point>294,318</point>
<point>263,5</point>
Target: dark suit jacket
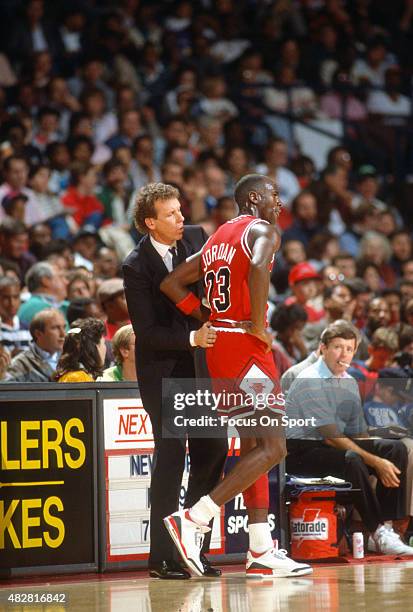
<point>162,332</point>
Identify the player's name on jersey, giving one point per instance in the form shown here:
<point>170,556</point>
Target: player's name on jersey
<point>223,251</point>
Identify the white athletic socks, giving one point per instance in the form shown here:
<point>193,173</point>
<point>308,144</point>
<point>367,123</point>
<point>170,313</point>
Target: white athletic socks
<point>204,510</point>
<point>260,539</point>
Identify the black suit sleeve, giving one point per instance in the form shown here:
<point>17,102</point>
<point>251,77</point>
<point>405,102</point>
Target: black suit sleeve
<point>149,333</point>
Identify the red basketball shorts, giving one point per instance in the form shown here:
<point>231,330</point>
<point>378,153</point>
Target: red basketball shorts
<point>244,374</point>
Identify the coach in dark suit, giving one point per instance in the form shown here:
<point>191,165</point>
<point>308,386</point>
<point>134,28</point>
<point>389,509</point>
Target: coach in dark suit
<point>164,349</point>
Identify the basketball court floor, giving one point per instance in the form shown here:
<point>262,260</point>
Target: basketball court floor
<point>349,587</point>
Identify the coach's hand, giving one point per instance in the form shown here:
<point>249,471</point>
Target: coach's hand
<point>387,472</point>
<point>260,333</point>
<point>205,336</point>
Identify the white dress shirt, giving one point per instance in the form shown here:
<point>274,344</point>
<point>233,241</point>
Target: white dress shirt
<point>166,256</point>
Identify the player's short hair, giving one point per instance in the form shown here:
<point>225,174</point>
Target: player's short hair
<point>145,202</point>
<point>249,182</point>
<point>340,329</point>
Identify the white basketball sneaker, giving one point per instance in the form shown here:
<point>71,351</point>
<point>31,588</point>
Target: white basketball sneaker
<point>388,542</point>
<point>274,563</point>
<point>188,538</point>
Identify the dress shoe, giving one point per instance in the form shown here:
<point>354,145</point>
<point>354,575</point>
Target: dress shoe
<point>168,570</point>
<point>209,571</point>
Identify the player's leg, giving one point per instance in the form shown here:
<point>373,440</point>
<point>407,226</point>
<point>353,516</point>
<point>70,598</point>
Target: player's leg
<point>187,528</point>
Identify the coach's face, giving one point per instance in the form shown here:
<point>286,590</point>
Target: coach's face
<point>338,354</point>
<point>168,225</point>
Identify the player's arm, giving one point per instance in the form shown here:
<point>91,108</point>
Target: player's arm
<point>264,241</point>
<point>175,287</point>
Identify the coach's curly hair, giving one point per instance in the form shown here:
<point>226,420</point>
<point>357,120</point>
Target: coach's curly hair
<point>80,350</point>
<point>145,202</point>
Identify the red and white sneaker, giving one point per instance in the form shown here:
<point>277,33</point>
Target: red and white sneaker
<point>274,563</point>
<point>188,537</point>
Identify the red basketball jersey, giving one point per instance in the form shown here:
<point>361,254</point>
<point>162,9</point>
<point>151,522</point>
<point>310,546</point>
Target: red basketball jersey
<point>226,259</point>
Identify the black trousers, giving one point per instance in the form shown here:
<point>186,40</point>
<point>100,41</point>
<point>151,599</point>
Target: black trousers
<point>314,458</point>
<point>207,460</point>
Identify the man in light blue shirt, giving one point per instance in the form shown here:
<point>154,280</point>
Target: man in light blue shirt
<point>336,441</point>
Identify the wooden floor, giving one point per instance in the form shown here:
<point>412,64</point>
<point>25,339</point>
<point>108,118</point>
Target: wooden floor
<point>375,587</point>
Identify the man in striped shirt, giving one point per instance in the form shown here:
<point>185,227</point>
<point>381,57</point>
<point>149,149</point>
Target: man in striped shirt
<point>13,337</point>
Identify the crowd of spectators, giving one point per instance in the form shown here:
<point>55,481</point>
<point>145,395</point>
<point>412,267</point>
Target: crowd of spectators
<point>99,98</point>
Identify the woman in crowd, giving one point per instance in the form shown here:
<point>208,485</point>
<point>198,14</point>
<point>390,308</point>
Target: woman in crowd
<point>83,352</point>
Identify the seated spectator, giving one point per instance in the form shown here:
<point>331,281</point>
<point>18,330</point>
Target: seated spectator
<point>366,188</point>
<point>111,296</point>
<point>375,248</point>
<point>78,285</point>
<point>114,195</point>
<point>107,264</point>
<point>346,263</point>
<point>14,245</point>
<point>407,270</point>
<point>123,345</point>
<point>143,169</point>
<point>274,166</point>
<point>12,335</point>
<point>390,105</point>
<point>288,344</point>
<point>48,289</point>
<point>406,289</point>
<point>370,274</point>
<point>393,298</point>
<point>83,308</point>
<point>321,250</point>
<point>16,174</point>
<point>40,235</point>
<point>402,249</point>
<point>85,245</point>
<point>363,220</point>
<point>39,361</point>
<point>292,253</point>
<point>382,351</point>
<point>306,223</point>
<point>14,205</point>
<point>130,128</point>
<point>80,198</point>
<point>341,102</point>
<point>372,68</point>
<point>213,101</point>
<point>334,445</point>
<point>58,218</point>
<point>301,280</point>
<point>83,354</point>
<point>339,301</point>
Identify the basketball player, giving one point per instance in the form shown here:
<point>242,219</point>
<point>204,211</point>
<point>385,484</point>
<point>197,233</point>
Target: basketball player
<point>236,265</point>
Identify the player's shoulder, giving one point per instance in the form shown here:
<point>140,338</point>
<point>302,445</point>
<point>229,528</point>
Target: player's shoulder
<point>264,229</point>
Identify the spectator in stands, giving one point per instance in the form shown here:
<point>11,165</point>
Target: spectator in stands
<point>13,336</point>
<point>341,102</point>
<point>16,173</point>
<point>48,289</point>
<point>364,219</point>
<point>111,296</point>
<point>114,195</point>
<point>391,101</point>
<point>14,244</point>
<point>123,344</point>
<point>402,249</point>
<point>394,301</point>
<point>382,350</point>
<point>85,245</point>
<point>130,128</point>
<point>83,353</point>
<point>80,198</point>
<point>372,69</point>
<point>39,361</point>
<point>274,166</point>
<point>346,264</point>
<point>288,345</point>
<point>292,253</point>
<point>375,248</point>
<point>104,124</point>
<point>321,250</point>
<point>339,301</point>
<point>306,224</point>
<point>407,270</point>
<point>107,264</point>
<point>143,168</point>
<point>406,289</point>
<point>78,285</point>
<point>333,445</point>
<point>301,280</point>
<point>83,308</point>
